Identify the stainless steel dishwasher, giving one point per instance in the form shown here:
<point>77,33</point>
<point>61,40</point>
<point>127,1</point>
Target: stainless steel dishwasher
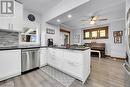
<point>30,59</point>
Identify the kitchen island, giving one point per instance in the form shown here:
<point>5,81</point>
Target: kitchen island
<point>75,62</point>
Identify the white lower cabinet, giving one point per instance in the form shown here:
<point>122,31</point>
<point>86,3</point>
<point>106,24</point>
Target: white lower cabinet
<point>73,68</point>
<point>43,54</point>
<point>10,64</point>
<point>72,62</point>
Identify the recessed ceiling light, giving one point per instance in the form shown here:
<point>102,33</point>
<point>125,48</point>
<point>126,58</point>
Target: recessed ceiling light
<point>69,16</point>
<point>58,20</point>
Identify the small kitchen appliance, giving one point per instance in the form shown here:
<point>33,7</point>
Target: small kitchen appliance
<point>50,42</point>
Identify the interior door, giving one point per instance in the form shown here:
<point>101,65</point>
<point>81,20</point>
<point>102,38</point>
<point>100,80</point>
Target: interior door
<point>66,38</point>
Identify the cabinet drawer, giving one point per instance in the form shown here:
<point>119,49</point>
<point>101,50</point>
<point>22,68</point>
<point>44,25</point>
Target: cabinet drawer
<point>73,57</point>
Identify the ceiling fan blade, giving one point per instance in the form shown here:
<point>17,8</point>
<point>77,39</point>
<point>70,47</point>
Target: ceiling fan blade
<point>83,20</point>
<point>103,19</point>
<point>94,18</point>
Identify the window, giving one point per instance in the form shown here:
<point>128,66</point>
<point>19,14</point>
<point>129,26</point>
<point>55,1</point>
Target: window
<point>94,34</point>
<point>102,33</point>
<point>87,34</point>
<point>98,33</point>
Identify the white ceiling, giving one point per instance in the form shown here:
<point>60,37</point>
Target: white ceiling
<point>111,9</point>
<point>40,6</point>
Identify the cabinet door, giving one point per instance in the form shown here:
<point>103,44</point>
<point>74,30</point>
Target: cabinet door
<point>17,20</point>
<point>5,23</point>
<point>55,57</point>
<point>73,68</point>
<point>51,58</point>
<point>43,55</point>
<point>10,63</point>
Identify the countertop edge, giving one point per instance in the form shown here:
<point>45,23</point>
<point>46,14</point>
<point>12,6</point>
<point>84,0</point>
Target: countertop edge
<point>17,48</point>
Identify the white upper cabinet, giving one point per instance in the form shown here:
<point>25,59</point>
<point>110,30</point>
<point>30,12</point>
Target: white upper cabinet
<point>18,17</point>
<point>15,21</point>
<point>5,23</point>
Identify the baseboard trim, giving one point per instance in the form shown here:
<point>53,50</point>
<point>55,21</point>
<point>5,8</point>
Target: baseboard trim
<point>43,65</point>
<point>119,58</point>
<point>10,76</point>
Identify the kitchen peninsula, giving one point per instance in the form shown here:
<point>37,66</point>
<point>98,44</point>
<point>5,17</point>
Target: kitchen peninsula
<point>75,62</point>
<point>72,61</point>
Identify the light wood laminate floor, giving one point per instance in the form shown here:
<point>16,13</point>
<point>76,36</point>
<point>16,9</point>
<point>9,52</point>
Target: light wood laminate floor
<point>104,73</point>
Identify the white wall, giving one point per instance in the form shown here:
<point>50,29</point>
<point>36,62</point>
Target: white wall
<point>117,50</point>
<point>112,49</point>
<point>29,24</point>
<point>56,36</point>
<point>77,36</point>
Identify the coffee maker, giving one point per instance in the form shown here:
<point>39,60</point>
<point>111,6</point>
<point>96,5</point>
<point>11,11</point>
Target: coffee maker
<point>50,42</point>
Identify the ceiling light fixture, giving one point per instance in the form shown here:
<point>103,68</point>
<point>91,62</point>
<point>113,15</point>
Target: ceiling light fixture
<point>94,18</point>
<point>58,20</point>
<point>69,16</point>
<point>92,22</point>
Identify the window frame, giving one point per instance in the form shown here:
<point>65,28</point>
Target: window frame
<point>106,33</point>
<point>91,34</point>
<point>85,35</point>
<point>98,33</point>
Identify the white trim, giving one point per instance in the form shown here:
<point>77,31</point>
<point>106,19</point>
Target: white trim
<point>43,65</point>
<point>103,25</point>
<point>7,77</point>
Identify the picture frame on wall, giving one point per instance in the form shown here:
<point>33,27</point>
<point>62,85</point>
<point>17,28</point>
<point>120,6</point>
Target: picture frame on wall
<point>50,31</point>
<point>117,33</point>
<point>118,40</point>
<point>118,36</point>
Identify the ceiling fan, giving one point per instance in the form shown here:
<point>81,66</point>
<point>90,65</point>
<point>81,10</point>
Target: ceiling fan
<point>94,19</point>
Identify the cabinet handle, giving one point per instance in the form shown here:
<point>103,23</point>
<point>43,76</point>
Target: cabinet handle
<point>12,26</point>
<point>9,27</point>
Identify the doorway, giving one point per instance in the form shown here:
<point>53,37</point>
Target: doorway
<point>65,37</point>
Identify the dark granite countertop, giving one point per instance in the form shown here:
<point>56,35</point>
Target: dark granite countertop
<point>33,47</point>
<point>17,47</point>
<point>80,49</point>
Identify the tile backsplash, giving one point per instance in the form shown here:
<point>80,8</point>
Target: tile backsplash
<point>8,39</point>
